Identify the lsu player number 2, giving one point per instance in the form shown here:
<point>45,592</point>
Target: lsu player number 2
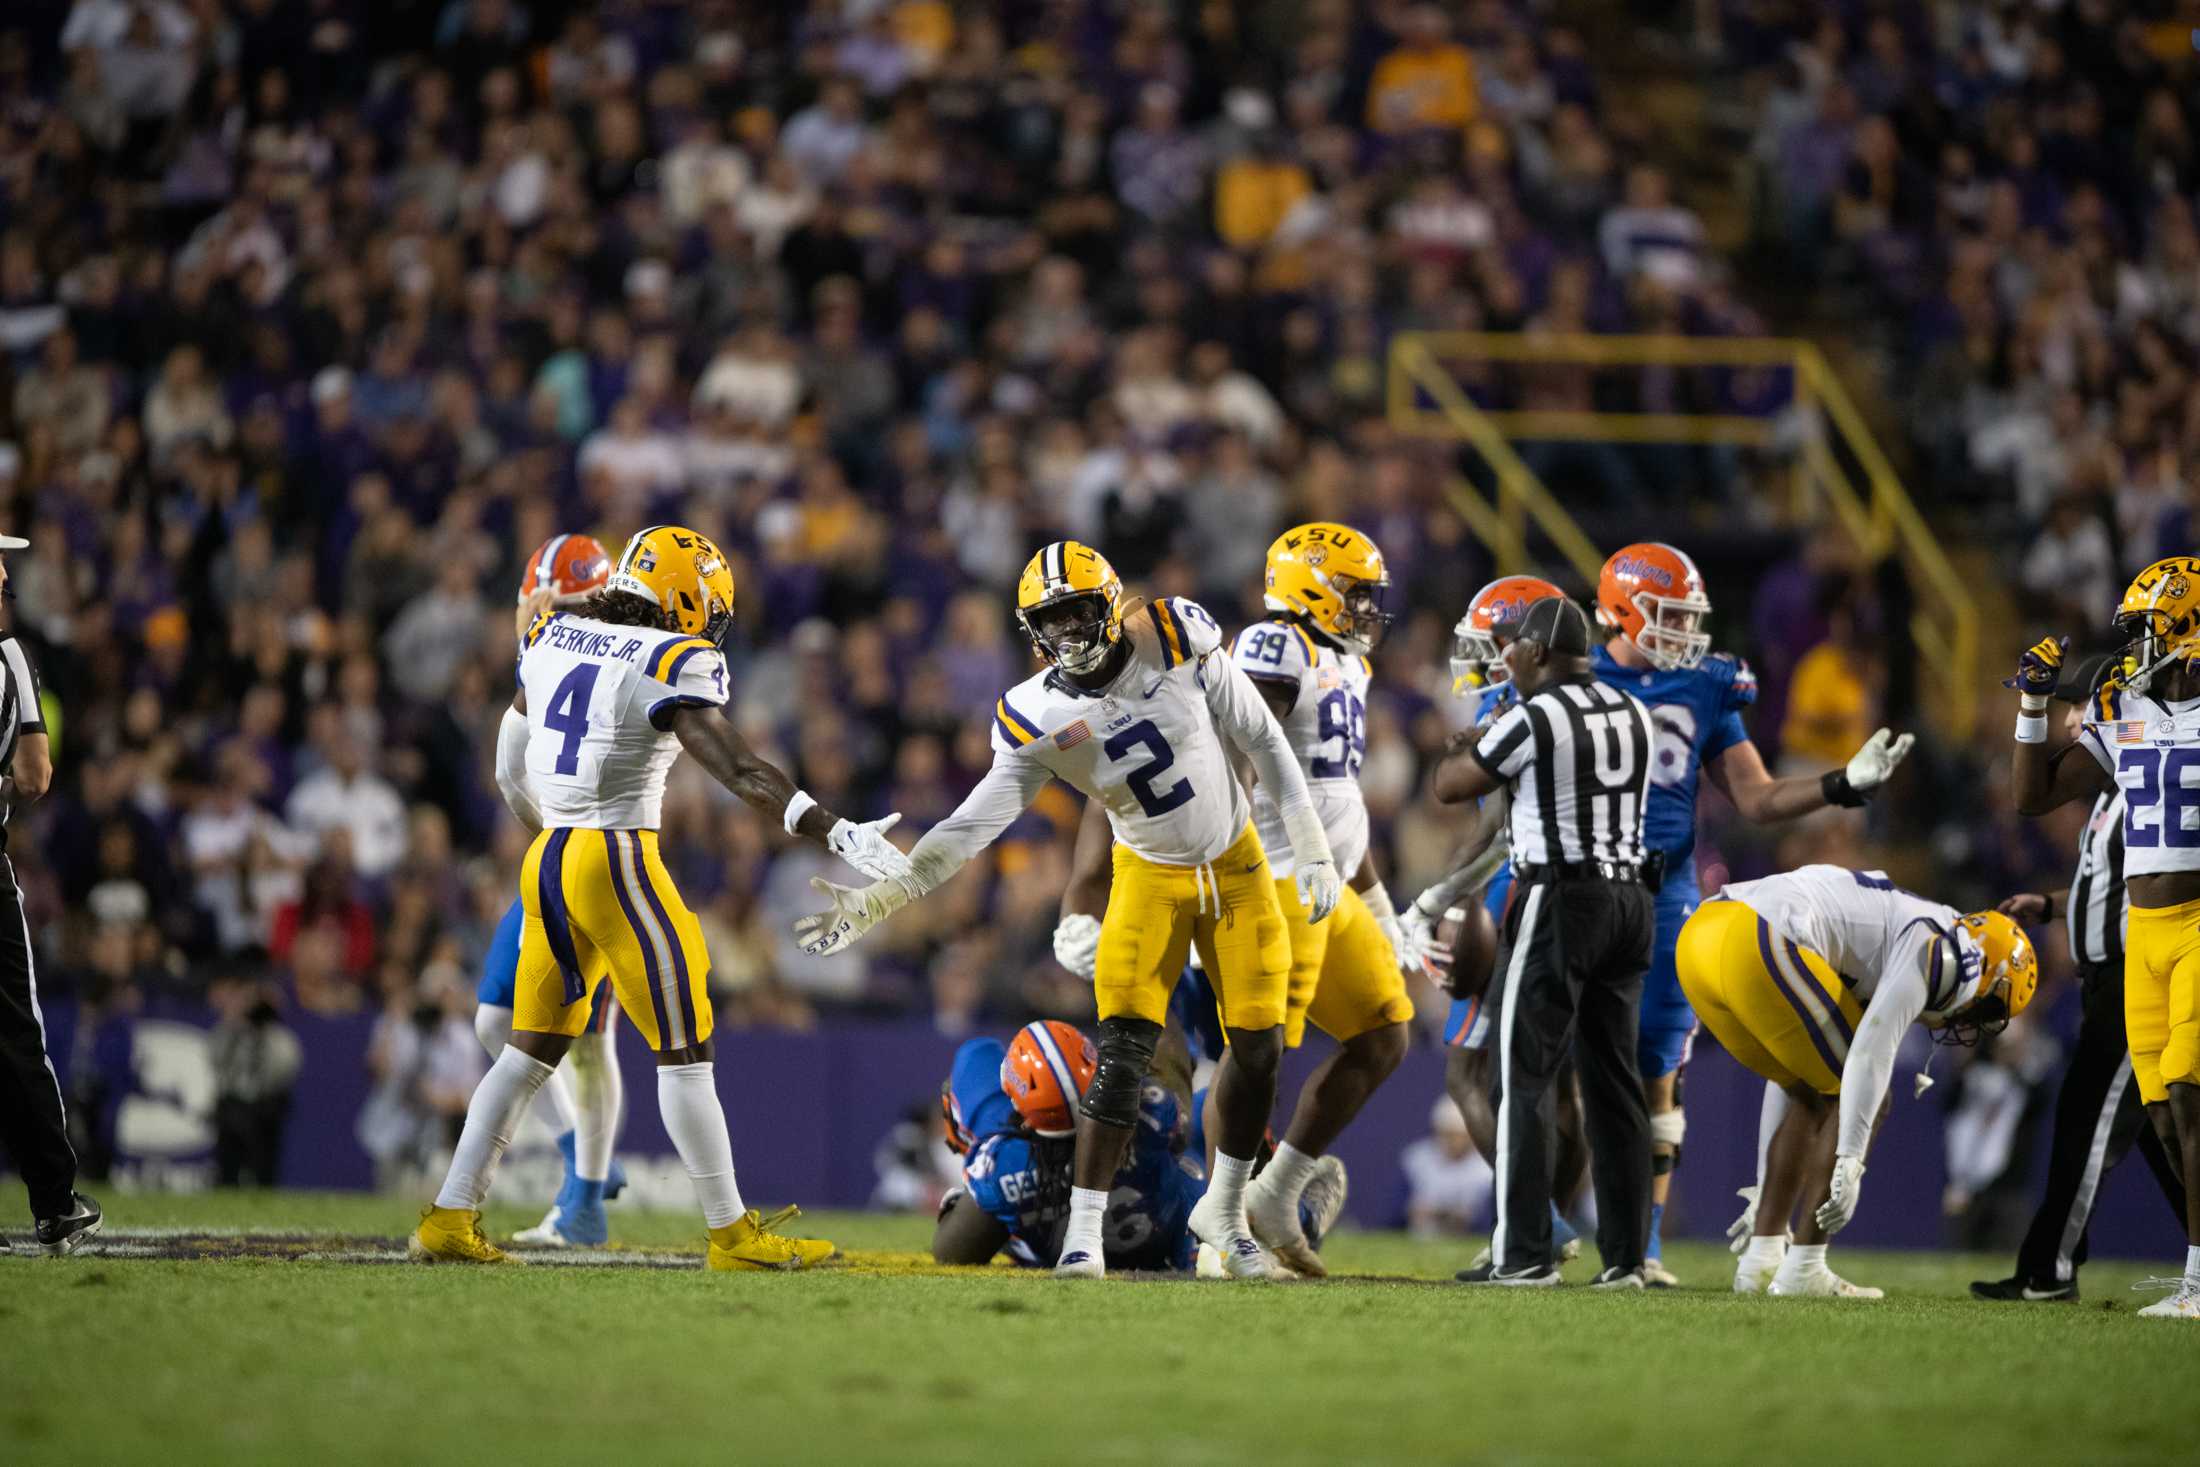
<point>1143,735</point>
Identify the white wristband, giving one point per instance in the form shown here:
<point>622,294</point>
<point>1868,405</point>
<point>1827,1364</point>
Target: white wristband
<point>798,806</point>
<point>1378,902</point>
<point>2032,702</point>
<point>2031,728</point>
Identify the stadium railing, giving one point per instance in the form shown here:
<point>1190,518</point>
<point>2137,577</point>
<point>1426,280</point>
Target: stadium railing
<point>1452,385</point>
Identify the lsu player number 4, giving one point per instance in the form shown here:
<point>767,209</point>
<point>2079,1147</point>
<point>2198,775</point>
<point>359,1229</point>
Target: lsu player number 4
<point>1135,711</point>
<point>609,695</point>
<point>2142,735</point>
<point>1324,586</point>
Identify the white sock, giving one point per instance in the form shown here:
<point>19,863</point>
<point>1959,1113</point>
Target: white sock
<point>1765,1248</point>
<point>2192,1266</point>
<point>492,1115</point>
<point>597,1092</point>
<point>493,1027</point>
<point>1227,1188</point>
<point>1803,1258</point>
<point>1087,1207</point>
<point>687,1099</point>
<point>1287,1173</point>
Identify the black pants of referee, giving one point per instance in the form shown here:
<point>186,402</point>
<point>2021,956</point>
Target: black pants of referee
<point>1571,971</point>
<point>32,1127</point>
<point>2098,1118</point>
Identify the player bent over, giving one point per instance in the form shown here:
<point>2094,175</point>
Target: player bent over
<point>2142,733</point>
<point>608,697</point>
<point>1325,585</point>
<point>1811,979</point>
<point>1134,712</point>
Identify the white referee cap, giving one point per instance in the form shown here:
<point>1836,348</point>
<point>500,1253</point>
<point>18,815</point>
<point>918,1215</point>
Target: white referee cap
<point>14,542</point>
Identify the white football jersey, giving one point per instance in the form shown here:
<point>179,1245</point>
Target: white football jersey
<point>2152,750</point>
<point>1326,728</point>
<point>1868,929</point>
<point>1146,746</point>
<point>599,705</point>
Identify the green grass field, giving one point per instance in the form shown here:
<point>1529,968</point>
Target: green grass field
<point>111,1359</point>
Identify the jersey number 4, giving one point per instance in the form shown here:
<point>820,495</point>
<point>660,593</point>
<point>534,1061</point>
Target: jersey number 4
<point>2157,800</point>
<point>1143,735</point>
<point>567,714</point>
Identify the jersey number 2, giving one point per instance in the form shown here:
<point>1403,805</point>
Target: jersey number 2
<point>568,714</point>
<point>1143,735</point>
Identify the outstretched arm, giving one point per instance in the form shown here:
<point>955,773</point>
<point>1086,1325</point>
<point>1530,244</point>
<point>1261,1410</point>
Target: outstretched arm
<point>716,745</point>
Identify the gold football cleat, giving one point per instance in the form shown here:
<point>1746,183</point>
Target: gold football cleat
<point>453,1235</point>
<point>751,1243</point>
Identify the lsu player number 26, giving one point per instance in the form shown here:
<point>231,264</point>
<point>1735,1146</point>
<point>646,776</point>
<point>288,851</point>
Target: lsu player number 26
<point>2142,735</point>
<point>1134,711</point>
<point>609,695</point>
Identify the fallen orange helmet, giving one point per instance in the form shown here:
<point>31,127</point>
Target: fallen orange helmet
<point>1048,1065</point>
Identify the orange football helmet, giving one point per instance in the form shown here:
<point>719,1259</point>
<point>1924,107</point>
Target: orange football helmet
<point>1475,659</point>
<point>569,566</point>
<point>1652,594</point>
<point>1048,1066</point>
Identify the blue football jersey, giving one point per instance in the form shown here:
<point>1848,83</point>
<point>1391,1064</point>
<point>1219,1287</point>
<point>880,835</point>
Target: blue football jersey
<point>1697,714</point>
<point>1023,1181</point>
<point>982,1107</point>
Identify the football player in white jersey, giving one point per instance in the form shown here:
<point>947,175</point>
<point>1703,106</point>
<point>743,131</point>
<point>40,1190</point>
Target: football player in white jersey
<point>1324,587</point>
<point>608,697</point>
<point>1811,979</point>
<point>1135,709</point>
<point>2143,735</point>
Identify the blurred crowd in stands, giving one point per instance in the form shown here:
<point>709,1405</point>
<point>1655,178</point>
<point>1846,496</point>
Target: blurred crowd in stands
<point>317,315</point>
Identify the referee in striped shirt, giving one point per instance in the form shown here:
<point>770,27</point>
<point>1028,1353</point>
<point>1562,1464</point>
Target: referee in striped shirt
<point>2098,1117</point>
<point>1575,753</point>
<point>32,1126</point>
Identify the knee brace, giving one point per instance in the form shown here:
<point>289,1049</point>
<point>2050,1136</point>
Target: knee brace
<point>1667,1128</point>
<point>1126,1053</point>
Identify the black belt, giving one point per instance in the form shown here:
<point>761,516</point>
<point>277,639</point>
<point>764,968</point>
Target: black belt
<point>1630,875</point>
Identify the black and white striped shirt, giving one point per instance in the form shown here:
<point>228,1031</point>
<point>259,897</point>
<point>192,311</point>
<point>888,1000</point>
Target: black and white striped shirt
<point>2098,908</point>
<point>1578,757</point>
<point>20,712</point>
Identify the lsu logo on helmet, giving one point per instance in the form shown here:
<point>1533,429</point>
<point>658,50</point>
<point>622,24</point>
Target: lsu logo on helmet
<point>2160,619</point>
<point>1476,657</point>
<point>1333,576</point>
<point>1048,1065</point>
<point>1652,594</point>
<point>568,566</point>
<point>682,573</point>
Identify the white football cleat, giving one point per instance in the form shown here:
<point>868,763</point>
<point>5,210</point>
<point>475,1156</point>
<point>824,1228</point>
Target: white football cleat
<point>1655,1274</point>
<point>1820,1283</point>
<point>1274,1220</point>
<point>1241,1256</point>
<point>2182,1304</point>
<point>1752,1276</point>
<point>1081,1263</point>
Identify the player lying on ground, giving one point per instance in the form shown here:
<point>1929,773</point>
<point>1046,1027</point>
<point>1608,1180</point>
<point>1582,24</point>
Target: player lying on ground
<point>1651,597</point>
<point>1325,586</point>
<point>1811,980</point>
<point>2143,734</point>
<point>1138,712</point>
<point>561,574</point>
<point>608,698</point>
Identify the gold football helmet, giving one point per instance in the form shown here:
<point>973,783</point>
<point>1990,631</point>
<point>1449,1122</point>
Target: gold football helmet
<point>2160,616</point>
<point>1333,576</point>
<point>682,574</point>
<point>2009,973</point>
<point>1070,604</point>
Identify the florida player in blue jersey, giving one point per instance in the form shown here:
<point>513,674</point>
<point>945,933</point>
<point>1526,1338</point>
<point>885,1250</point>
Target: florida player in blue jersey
<point>561,573</point>
<point>1651,597</point>
<point>1011,1112</point>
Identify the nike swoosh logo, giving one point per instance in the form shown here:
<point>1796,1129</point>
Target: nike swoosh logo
<point>2037,1295</point>
<point>1156,687</point>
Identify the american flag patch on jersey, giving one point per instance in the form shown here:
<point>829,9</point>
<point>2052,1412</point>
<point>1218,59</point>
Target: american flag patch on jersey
<point>2129,731</point>
<point>1074,735</point>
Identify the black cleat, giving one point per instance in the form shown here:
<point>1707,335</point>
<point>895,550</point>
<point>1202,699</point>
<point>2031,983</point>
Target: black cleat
<point>63,1235</point>
<point>1535,1276</point>
<point>1619,1278</point>
<point>2021,1290</point>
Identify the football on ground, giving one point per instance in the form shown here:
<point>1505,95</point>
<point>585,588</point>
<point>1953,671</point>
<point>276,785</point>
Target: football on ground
<point>265,1327</point>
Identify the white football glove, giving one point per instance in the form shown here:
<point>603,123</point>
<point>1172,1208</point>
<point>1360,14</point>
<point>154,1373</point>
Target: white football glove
<point>866,848</point>
<point>1411,955</point>
<point>1739,1231</point>
<point>1077,943</point>
<point>1872,766</point>
<point>1840,1204</point>
<point>1319,888</point>
<point>855,910</point>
